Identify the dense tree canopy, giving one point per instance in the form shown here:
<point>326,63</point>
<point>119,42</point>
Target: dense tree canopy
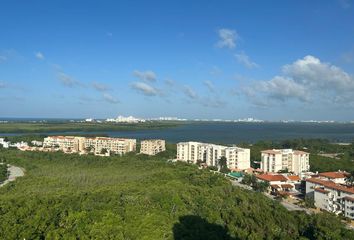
<point>3,172</point>
<point>141,197</point>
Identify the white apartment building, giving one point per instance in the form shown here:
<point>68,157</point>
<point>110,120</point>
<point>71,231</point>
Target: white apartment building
<point>152,146</point>
<point>237,158</point>
<point>37,143</point>
<point>275,160</point>
<point>80,144</point>
<point>19,144</point>
<point>4,143</point>
<point>331,196</point>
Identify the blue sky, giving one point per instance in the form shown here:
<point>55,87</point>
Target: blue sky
<point>193,59</point>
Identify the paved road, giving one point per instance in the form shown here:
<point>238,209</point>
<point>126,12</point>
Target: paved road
<point>235,183</point>
<point>293,207</point>
<point>15,172</point>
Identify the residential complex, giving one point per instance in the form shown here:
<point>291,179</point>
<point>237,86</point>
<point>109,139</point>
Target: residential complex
<point>152,146</point>
<point>283,184</point>
<point>64,143</point>
<point>331,193</point>
<point>96,145</point>
<point>7,144</point>
<point>276,160</point>
<point>237,158</point>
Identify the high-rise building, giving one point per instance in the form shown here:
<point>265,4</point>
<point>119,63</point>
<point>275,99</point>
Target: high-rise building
<point>276,160</point>
<point>236,158</point>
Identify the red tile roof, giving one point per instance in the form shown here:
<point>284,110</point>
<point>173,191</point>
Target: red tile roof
<point>320,181</point>
<point>294,178</point>
<point>270,178</point>
<point>321,190</point>
<point>332,175</point>
<point>286,186</point>
<point>331,185</point>
<point>275,186</point>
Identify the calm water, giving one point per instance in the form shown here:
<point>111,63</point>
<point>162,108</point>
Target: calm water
<point>240,132</point>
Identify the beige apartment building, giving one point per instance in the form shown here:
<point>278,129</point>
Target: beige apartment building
<point>64,143</point>
<point>80,144</point>
<point>275,160</point>
<point>115,145</point>
<point>152,146</point>
<point>237,158</point>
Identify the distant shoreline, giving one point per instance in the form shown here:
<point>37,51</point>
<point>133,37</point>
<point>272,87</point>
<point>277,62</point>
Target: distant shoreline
<point>218,132</point>
<point>47,127</point>
<point>5,120</point>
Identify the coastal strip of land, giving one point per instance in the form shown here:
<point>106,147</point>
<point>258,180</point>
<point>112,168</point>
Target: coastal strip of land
<point>43,127</point>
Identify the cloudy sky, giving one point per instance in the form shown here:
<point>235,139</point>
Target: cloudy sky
<point>193,59</point>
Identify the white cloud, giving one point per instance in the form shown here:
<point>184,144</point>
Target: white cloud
<point>210,101</point>
<point>145,89</point>
<point>189,92</point>
<point>228,38</point>
<point>313,73</point>
<point>282,88</point>
<point>39,55</point>
<point>100,87</point>
<point>67,80</point>
<point>307,80</point>
<point>145,75</point>
<point>109,98</point>
<point>209,85</point>
<point>245,60</point>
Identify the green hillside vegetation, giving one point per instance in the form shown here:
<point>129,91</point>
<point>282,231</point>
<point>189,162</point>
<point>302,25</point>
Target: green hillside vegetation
<point>27,127</point>
<point>3,172</point>
<point>140,197</point>
<point>314,147</point>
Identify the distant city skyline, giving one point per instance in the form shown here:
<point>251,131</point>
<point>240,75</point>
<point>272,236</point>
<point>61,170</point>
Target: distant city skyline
<point>284,60</point>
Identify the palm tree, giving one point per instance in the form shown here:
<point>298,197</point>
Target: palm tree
<point>222,162</point>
